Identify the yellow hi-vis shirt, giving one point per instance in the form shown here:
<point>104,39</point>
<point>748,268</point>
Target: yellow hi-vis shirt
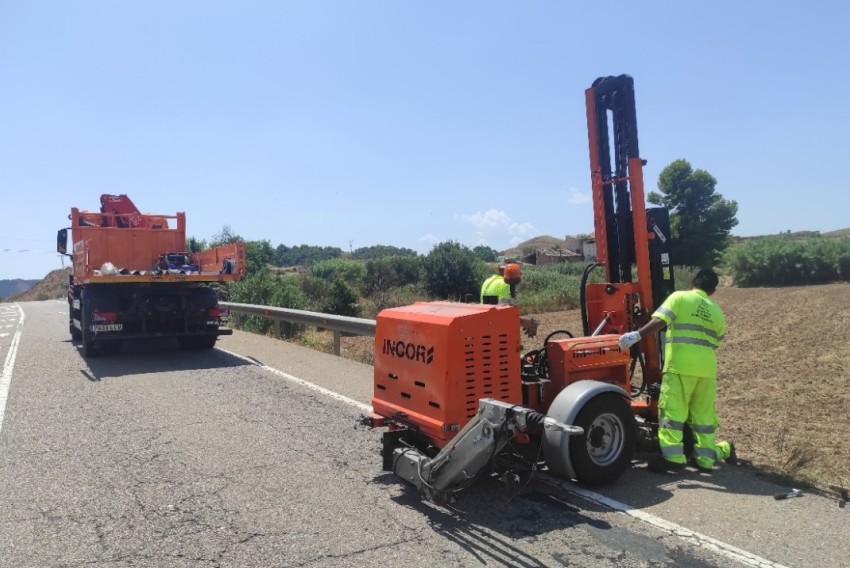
<point>495,286</point>
<point>695,329</point>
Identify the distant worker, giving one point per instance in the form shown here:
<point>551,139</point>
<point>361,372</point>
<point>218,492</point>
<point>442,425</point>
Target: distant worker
<point>695,330</point>
<point>501,289</point>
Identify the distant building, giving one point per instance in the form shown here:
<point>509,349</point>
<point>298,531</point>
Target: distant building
<point>588,249</point>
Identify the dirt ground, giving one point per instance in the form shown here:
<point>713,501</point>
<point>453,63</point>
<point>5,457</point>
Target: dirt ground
<point>784,377</point>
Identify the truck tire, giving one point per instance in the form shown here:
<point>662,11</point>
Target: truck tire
<point>604,451</point>
<point>88,348</point>
<point>76,334</point>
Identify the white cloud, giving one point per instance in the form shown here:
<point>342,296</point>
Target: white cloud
<point>578,197</point>
<point>489,219</point>
<point>429,239</point>
<point>495,228</point>
<point>494,220</point>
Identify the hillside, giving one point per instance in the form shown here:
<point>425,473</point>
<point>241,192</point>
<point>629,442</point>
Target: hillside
<point>9,288</point>
<point>54,285</point>
<point>543,242</point>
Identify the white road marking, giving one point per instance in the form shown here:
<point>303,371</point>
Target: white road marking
<point>4,335</point>
<point>309,385</point>
<point>9,365</point>
<point>693,537</point>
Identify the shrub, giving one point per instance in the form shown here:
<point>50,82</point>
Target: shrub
<point>351,271</point>
<point>782,261</point>
<point>452,271</point>
<point>266,289</point>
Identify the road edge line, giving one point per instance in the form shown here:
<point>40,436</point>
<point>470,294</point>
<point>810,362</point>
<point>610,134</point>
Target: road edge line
<point>9,365</point>
<point>695,538</point>
<point>308,384</point>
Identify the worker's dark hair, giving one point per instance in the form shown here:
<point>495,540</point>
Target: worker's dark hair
<point>706,280</point>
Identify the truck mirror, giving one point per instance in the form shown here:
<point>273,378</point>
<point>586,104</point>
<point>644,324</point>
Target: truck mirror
<point>62,241</point>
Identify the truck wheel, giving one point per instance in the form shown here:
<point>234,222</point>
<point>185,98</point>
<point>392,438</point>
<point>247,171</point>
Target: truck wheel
<point>604,451</point>
<point>89,350</point>
<point>207,341</point>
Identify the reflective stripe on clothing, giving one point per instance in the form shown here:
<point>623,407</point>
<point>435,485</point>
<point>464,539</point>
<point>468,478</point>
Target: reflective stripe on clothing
<point>696,327</point>
<point>705,453</point>
<point>673,425</point>
<point>687,399</point>
<point>703,429</point>
<point>673,451</point>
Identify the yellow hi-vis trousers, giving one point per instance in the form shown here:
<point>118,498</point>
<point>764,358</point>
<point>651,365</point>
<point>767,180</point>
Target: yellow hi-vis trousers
<point>688,399</point>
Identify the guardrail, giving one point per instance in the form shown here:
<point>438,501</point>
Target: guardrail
<point>338,324</point>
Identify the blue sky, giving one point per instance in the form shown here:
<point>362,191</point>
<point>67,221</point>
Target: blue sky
<point>355,123</point>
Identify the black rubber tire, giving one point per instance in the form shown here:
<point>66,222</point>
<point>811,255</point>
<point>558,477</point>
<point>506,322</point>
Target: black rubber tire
<point>207,341</point>
<point>88,350</point>
<point>604,451</point>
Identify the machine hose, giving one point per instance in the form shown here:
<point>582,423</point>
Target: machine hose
<point>538,358</point>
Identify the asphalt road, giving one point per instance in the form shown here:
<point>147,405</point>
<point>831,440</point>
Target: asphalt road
<point>248,455</point>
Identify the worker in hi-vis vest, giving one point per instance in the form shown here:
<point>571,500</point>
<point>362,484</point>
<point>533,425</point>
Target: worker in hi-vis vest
<point>695,330</point>
<point>501,289</point>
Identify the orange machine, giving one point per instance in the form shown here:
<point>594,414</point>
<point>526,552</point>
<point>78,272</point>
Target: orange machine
<point>454,390</point>
<point>417,350</point>
<point>132,278</point>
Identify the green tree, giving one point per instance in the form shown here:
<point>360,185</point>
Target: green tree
<point>486,253</point>
<point>383,274</point>
<point>304,254</point>
<point>195,245</point>
<point>257,255</point>
<point>381,251</point>
<point>451,271</point>
<point>225,237</point>
<point>351,272</point>
<point>700,218</point>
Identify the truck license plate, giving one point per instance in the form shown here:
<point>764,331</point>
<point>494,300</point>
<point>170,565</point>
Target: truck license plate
<point>107,327</point>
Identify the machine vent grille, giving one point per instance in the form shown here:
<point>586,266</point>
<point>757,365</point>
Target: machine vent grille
<point>487,366</point>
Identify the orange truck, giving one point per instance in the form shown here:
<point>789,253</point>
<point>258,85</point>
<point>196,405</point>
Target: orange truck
<point>133,278</point>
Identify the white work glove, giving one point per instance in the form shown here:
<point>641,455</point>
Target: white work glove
<point>628,339</point>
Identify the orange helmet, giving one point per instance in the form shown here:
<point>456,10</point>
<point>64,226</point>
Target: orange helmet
<point>512,273</point>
